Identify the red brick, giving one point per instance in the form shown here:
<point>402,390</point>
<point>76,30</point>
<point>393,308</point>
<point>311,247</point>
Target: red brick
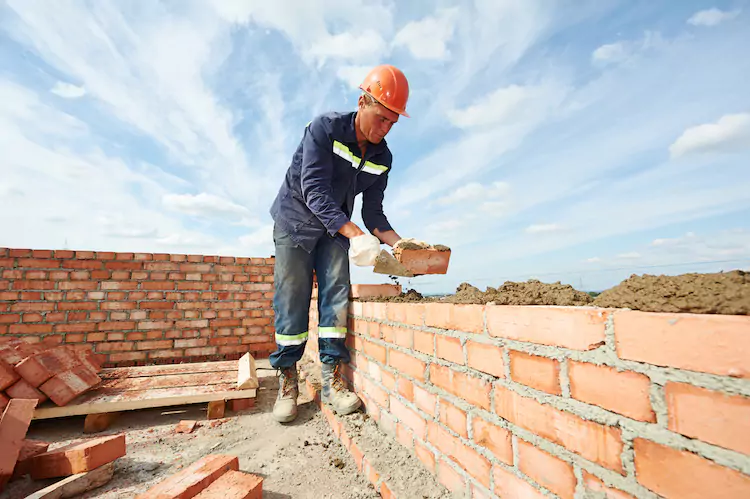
<point>449,478</point>
<point>593,484</point>
<point>379,395</point>
<point>67,385</point>
<point>23,390</point>
<point>425,400</point>
<point>424,261</point>
<point>547,470</point>
<point>468,318</point>
<point>406,313</point>
<point>78,457</point>
<point>397,335</point>
<point>534,371</point>
<point>30,449</point>
<point>570,327</point>
<point>453,417</point>
<point>494,438</point>
<point>680,474</point>
<point>717,344</point>
<point>450,349</point>
<point>3,401</point>
<point>710,416</point>
<point>404,436</point>
<point>364,291</point>
<point>509,485</point>
<point>406,364</point>
<point>13,426</point>
<point>598,443</point>
<point>425,455</point>
<point>378,352</point>
<point>626,392</point>
<point>409,417</point>
<point>486,358</point>
<point>467,458</point>
<point>234,485</point>
<point>7,375</point>
<point>476,391</point>
<point>424,342</point>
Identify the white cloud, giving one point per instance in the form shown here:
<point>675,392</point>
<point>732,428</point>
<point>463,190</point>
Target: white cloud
<point>595,259</point>
<point>353,76</point>
<point>203,204</point>
<point>368,45</point>
<point>474,192</point>
<point>632,255</point>
<point>544,228</point>
<point>118,225</point>
<point>618,52</point>
<point>68,90</point>
<point>611,52</point>
<point>730,133</point>
<point>712,17</point>
<point>428,38</point>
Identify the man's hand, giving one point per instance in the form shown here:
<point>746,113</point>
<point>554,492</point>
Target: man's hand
<point>388,237</point>
<point>350,230</point>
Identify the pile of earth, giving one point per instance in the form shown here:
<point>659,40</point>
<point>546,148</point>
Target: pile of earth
<point>531,292</point>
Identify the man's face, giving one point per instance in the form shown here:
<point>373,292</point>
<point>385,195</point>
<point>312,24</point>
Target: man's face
<point>375,121</point>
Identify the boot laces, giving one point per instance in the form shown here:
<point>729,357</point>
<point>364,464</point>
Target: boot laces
<point>337,381</point>
<point>290,381</point>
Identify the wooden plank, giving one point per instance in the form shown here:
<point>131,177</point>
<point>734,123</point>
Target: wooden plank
<point>94,402</point>
<point>193,368</point>
<point>76,485</point>
<point>166,381</point>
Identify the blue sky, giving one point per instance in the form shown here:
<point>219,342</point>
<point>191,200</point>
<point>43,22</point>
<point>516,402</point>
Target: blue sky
<point>581,141</point>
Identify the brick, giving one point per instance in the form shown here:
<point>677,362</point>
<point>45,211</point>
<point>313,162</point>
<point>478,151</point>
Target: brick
<point>453,417</point>
<point>598,443</point>
<point>397,335</point>
<point>476,391</point>
<point>405,436</point>
<point>547,470</point>
<point>425,455</point>
<point>494,438</point>
<point>234,485</point>
<point>216,409</point>
<point>13,426</point>
<point>674,473</point>
<point>596,486</point>
<point>467,458</point>
<point>237,405</point>
<point>37,369</point>
<point>29,449</point>
<point>410,418</point>
<point>509,485</point>
<point>67,385</point>
<point>406,364</point>
<point>379,395</point>
<point>23,390</point>
<point>450,349</point>
<point>405,389</point>
<point>424,342</point>
<point>467,318</point>
<point>486,358</point>
<point>378,352</point>
<point>570,327</point>
<point>8,375</point>
<point>406,313</point>
<point>425,400</point>
<point>449,478</point>
<point>716,344</point>
<point>78,457</point>
<point>3,401</point>
<point>364,291</point>
<point>424,261</point>
<point>535,371</point>
<point>185,426</point>
<point>625,392</point>
<point>709,416</point>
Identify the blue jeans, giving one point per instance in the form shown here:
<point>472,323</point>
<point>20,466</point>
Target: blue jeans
<point>293,280</point>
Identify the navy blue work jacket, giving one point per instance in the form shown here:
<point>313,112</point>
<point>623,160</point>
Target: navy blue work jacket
<point>327,171</point>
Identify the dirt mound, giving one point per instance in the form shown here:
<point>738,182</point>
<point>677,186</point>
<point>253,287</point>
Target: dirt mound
<point>532,292</point>
<point>411,295</point>
<point>720,293</point>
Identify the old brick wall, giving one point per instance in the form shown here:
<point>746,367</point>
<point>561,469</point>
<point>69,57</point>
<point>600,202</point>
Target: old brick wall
<point>505,401</point>
<point>139,308</point>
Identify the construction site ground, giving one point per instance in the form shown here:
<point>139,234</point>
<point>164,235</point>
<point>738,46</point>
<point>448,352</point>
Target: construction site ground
<point>303,459</point>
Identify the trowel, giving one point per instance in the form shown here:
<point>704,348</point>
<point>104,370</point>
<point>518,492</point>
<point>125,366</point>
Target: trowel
<point>387,264</point>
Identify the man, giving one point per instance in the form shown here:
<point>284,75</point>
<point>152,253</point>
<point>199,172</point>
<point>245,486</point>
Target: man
<point>340,156</point>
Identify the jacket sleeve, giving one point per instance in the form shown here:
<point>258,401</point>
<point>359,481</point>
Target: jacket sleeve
<point>316,175</point>
<point>372,205</point>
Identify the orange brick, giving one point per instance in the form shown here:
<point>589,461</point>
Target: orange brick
<point>409,417</point>
<point>424,261</point>
<point>425,400</point>
<point>709,416</point>
<point>3,401</point>
<point>406,313</point>
<point>379,395</point>
<point>364,291</point>
<point>494,438</point>
<point>425,455</point>
<point>424,342</point>
<point>193,479</point>
<point>29,449</point>
<point>474,390</point>
<point>598,443</point>
<point>375,351</point>
<point>453,417</point>
<point>486,358</point>
<point>626,392</point>
<point>547,470</point>
<point>357,455</point>
<point>21,389</point>
<point>467,458</point>
<point>67,385</point>
<point>509,485</point>
<point>449,478</point>
<point>593,484</point>
<point>467,318</point>
<point>571,327</point>
<point>185,426</point>
<point>405,436</point>
<point>406,364</point>
<point>717,344</point>
<point>397,335</point>
<point>406,389</point>
<point>13,426</point>
<point>450,349</point>
<point>77,457</point>
<point>7,375</point>
<point>674,473</point>
<point>535,371</point>
<point>234,485</point>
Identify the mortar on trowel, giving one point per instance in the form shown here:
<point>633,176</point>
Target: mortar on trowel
<point>412,258</point>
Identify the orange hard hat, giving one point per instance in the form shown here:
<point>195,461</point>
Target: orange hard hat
<point>388,85</point>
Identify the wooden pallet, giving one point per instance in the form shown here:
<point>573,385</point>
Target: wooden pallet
<point>129,388</point>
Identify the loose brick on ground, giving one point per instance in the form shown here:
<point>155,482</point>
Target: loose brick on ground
<point>77,457</point>
<point>30,449</point>
<point>13,427</point>
<point>185,426</point>
<point>234,485</point>
<point>189,482</point>
<point>21,389</point>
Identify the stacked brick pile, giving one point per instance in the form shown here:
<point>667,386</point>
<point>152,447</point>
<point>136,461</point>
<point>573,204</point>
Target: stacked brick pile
<point>39,371</point>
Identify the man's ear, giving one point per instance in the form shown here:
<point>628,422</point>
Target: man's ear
<point>361,102</point>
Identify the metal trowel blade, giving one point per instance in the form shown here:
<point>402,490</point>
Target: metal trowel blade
<point>387,264</point>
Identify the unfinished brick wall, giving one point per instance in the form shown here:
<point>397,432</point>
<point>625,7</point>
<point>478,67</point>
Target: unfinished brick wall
<point>560,401</point>
<point>139,308</point>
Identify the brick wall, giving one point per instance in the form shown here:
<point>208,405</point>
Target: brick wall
<point>139,308</point>
<point>503,401</point>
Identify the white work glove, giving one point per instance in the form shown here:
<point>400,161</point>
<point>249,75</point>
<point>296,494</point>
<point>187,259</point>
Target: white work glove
<point>364,250</point>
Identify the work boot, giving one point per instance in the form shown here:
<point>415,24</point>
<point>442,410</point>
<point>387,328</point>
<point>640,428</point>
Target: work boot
<point>335,392</point>
<point>285,407</point>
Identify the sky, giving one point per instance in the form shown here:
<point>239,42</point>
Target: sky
<point>579,141</point>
